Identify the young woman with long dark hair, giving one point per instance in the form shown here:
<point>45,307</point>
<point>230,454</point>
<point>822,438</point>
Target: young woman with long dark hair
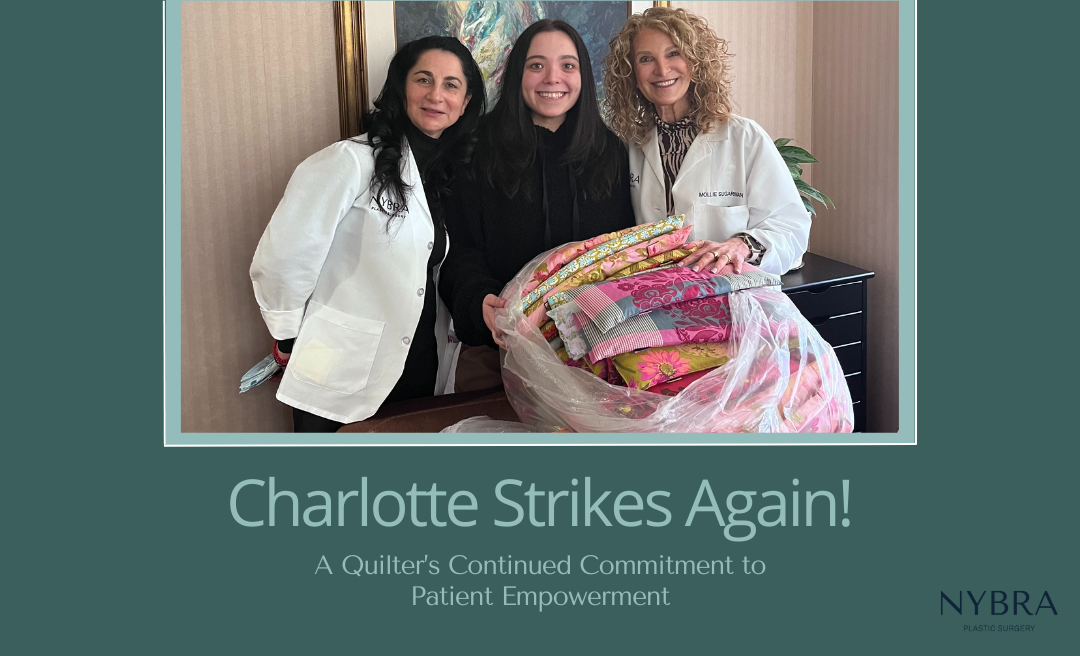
<point>346,272</point>
<point>546,171</point>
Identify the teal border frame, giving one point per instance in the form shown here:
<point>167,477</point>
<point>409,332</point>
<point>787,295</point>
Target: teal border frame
<point>907,220</point>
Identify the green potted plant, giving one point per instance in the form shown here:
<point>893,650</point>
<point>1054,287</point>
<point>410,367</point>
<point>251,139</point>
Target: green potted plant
<point>795,157</point>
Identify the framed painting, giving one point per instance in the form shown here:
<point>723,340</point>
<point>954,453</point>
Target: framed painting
<point>368,34</point>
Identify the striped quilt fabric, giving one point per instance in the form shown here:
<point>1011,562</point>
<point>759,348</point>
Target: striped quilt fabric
<point>609,303</point>
<point>637,235</point>
<point>612,264</point>
<point>689,322</point>
<point>566,253</point>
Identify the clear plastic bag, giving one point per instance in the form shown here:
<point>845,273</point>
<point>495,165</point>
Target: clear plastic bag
<point>259,374</point>
<point>782,377</point>
<point>486,424</point>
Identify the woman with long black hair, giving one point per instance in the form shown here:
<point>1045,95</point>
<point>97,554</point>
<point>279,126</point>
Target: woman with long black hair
<point>546,171</point>
<point>346,272</point>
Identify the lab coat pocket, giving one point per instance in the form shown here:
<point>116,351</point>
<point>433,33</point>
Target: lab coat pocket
<point>335,351</point>
<point>718,223</point>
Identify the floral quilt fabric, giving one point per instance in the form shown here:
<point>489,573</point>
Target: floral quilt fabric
<point>565,254</point>
<point>667,259</point>
<point>611,264</point>
<point>609,303</point>
<point>634,236</point>
<point>557,298</point>
<point>675,386</point>
<point>603,369</point>
<point>652,366</point>
<point>663,260</point>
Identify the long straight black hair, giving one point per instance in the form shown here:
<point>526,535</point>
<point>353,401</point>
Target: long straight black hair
<point>388,122</point>
<point>509,138</point>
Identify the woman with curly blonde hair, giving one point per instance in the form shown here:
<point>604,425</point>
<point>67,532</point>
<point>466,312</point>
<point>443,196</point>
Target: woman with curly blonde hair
<point>668,86</point>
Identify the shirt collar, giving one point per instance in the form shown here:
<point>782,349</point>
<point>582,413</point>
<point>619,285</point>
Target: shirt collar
<point>682,124</point>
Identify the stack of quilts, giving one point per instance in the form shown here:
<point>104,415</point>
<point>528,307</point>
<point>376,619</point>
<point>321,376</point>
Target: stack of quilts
<point>646,345</point>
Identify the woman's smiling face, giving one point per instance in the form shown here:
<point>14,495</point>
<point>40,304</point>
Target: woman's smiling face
<point>435,92</point>
<point>551,83</point>
<point>662,75</point>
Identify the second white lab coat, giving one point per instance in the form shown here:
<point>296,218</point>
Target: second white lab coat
<point>732,180</point>
<point>328,273</point>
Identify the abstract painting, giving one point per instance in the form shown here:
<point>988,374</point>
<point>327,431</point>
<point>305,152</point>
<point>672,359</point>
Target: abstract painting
<point>489,29</point>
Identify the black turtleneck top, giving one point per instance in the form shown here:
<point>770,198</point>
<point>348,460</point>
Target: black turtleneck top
<point>422,147</point>
<point>422,364</point>
<point>492,236</point>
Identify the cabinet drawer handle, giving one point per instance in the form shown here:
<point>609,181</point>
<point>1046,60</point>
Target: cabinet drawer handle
<point>819,321</point>
<point>829,287</point>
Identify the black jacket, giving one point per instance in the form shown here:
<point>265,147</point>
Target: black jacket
<point>493,236</point>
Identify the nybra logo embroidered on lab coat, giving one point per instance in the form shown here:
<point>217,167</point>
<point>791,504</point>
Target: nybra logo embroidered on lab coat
<point>392,207</point>
<point>719,194</point>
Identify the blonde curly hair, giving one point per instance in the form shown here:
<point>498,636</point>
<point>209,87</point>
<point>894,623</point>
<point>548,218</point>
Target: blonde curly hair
<point>630,115</point>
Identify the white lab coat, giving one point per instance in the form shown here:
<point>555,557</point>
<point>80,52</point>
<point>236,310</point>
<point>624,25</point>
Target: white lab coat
<point>327,273</point>
<point>731,180</point>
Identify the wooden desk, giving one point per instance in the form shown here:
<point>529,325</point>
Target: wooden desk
<point>433,413</point>
<point>832,297</point>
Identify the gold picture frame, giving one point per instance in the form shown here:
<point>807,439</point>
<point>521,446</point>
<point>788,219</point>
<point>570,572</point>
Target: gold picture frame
<point>351,69</point>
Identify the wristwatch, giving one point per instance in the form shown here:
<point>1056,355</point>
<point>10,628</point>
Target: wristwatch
<point>756,249</point>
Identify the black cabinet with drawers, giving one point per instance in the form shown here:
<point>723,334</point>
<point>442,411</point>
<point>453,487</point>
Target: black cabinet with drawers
<point>832,297</point>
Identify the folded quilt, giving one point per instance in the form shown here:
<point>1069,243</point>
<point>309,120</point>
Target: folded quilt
<point>653,366</point>
<point>604,369</point>
<point>690,322</point>
<point>566,253</point>
<point>675,386</point>
<point>663,260</point>
<point>603,268</point>
<point>598,369</point>
<point>634,236</point>
<point>548,330</point>
<point>667,259</point>
<point>609,303</point>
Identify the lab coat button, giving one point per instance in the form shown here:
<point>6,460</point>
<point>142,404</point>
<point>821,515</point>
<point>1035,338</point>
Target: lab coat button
<point>420,292</point>
<point>430,245</point>
<point>405,341</point>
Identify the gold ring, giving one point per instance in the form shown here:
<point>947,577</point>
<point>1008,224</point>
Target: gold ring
<point>727,256</point>
<point>716,256</point>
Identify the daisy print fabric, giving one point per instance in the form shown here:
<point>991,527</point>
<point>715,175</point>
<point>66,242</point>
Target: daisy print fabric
<point>649,367</point>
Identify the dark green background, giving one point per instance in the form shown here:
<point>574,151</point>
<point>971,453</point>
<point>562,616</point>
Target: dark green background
<point>115,544</point>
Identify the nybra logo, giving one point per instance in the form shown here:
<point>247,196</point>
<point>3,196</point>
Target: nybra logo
<point>999,602</point>
<point>393,206</point>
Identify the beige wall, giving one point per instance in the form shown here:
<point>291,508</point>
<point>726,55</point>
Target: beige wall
<point>856,137</point>
<point>258,87</point>
<point>773,46</point>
